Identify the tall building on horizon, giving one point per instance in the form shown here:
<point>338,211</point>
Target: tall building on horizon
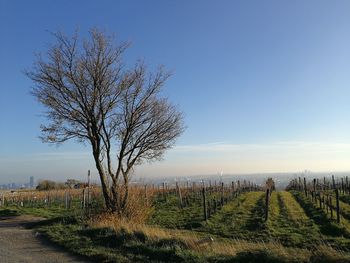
<point>31,182</point>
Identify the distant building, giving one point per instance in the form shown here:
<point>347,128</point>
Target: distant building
<point>31,182</point>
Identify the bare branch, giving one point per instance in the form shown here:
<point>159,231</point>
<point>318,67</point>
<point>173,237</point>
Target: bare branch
<point>90,97</point>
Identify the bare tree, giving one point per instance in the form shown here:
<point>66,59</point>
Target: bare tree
<point>91,97</point>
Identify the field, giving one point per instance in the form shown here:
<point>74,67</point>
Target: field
<point>221,223</point>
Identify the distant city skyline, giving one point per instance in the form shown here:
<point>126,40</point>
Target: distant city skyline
<point>192,160</point>
<point>10,184</point>
<point>264,85</point>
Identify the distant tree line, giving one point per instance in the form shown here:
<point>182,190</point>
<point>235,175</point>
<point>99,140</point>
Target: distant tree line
<point>46,185</point>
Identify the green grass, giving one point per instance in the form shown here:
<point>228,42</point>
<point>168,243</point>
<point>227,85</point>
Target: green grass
<point>335,234</point>
<point>48,213</point>
<point>345,198</point>
<point>5,212</point>
<point>168,214</point>
<point>240,218</point>
<point>288,222</point>
<point>107,245</point>
<point>290,217</point>
<point>344,209</point>
<point>300,229</point>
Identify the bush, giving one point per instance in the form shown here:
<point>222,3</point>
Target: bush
<point>258,256</point>
<point>49,185</point>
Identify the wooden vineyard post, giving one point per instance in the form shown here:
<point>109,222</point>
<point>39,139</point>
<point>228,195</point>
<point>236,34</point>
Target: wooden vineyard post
<point>222,194</point>
<point>232,189</point>
<point>66,199</point>
<point>323,201</point>
<point>209,209</point>
<point>342,185</point>
<point>204,204</point>
<point>305,189</point>
<point>347,184</point>
<point>314,194</point>
<point>49,199</point>
<point>88,190</point>
<point>331,206</point>
<point>267,201</point>
<point>337,205</point>
<point>314,184</point>
<point>333,181</point>
<point>164,196</point>
<point>70,199</point>
<point>84,199</point>
<point>146,197</point>
<point>179,193</point>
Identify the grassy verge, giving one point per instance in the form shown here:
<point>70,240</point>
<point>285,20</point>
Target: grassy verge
<point>168,214</point>
<point>344,209</point>
<point>288,222</point>
<point>132,243</point>
<point>180,235</point>
<point>48,213</point>
<point>241,218</point>
<point>345,198</point>
<point>335,234</point>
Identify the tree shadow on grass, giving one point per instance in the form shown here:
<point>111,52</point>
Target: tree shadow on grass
<point>327,227</point>
<point>8,213</point>
<point>256,221</point>
<point>55,220</point>
<point>254,256</point>
<point>134,244</point>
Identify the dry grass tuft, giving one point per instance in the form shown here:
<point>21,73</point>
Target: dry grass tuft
<point>198,242</point>
<point>139,205</point>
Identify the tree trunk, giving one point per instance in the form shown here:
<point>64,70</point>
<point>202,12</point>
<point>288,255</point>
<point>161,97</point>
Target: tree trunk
<point>109,200</point>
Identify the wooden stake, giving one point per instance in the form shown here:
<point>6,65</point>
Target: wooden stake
<point>267,197</point>
<point>222,194</point>
<point>337,205</point>
<point>204,204</point>
<point>88,191</point>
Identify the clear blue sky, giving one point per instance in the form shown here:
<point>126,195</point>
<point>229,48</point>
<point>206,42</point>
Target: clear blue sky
<point>265,85</point>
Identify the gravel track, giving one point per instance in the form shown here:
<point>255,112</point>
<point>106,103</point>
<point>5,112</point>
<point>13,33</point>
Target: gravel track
<point>18,244</point>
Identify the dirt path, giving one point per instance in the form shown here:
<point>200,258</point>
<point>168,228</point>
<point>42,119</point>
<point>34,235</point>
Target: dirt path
<point>18,244</point>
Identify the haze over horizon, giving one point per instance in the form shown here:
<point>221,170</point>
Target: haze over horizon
<point>264,85</point>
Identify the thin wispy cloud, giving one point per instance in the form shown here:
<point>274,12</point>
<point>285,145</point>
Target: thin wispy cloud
<point>216,147</point>
<point>284,156</point>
